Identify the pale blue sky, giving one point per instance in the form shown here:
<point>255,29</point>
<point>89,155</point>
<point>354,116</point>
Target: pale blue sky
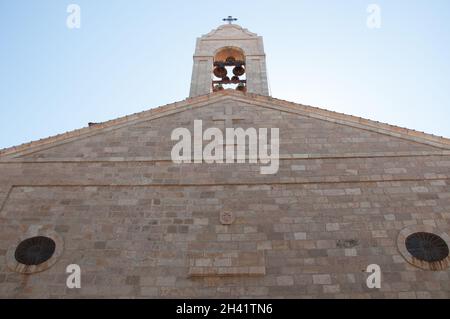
<point>134,55</point>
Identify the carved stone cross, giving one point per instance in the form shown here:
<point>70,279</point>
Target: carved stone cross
<point>228,117</point>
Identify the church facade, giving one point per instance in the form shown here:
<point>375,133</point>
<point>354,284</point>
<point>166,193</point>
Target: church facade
<point>351,199</point>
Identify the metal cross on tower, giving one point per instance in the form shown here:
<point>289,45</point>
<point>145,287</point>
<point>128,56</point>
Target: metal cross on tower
<point>230,19</point>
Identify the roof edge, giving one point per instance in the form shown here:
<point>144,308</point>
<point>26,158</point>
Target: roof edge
<point>342,118</point>
<point>320,113</point>
<point>98,127</point>
<point>213,32</point>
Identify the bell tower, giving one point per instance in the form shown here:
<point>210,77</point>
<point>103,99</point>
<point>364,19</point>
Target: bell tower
<point>229,57</point>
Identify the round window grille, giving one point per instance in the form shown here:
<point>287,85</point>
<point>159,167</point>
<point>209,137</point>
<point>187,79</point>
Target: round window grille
<point>427,247</point>
<point>35,251</point>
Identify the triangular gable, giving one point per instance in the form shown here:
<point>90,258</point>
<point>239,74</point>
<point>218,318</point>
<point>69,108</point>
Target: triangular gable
<point>250,99</point>
<point>230,31</point>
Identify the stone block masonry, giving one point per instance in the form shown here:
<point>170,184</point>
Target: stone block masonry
<point>140,225</point>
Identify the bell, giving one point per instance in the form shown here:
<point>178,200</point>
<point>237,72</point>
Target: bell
<point>226,79</point>
<point>220,72</point>
<point>218,88</point>
<point>238,71</point>
<point>241,87</point>
<point>235,79</point>
<point>230,59</point>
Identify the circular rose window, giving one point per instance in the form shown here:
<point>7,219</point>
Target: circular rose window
<point>425,247</point>
<point>35,251</point>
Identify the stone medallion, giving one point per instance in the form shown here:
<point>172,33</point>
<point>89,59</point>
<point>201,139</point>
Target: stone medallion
<point>227,218</point>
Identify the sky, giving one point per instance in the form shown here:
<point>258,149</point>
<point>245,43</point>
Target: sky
<point>129,56</point>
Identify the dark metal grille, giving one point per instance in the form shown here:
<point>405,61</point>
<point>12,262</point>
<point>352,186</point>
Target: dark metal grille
<point>427,247</point>
<point>34,251</point>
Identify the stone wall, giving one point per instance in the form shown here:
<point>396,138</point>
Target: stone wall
<point>141,226</point>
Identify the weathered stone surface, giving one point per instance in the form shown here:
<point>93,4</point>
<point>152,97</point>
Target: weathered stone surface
<point>141,226</point>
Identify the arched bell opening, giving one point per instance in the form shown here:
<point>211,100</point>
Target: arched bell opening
<point>229,70</point>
